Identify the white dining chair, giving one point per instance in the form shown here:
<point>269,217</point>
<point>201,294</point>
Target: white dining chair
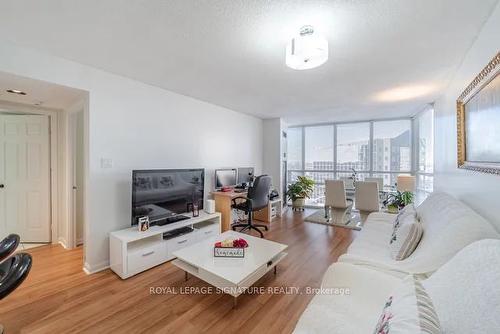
<point>379,180</point>
<point>336,202</point>
<point>367,198</point>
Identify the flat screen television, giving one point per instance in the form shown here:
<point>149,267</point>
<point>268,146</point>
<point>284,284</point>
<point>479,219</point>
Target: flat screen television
<point>164,193</point>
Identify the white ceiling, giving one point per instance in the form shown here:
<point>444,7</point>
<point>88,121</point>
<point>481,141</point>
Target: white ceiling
<point>38,93</point>
<point>231,52</point>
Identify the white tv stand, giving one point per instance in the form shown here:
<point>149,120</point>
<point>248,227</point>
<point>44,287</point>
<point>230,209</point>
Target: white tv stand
<point>132,251</point>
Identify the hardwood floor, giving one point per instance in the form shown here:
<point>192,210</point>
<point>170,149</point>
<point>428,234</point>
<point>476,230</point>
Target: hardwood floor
<point>58,297</point>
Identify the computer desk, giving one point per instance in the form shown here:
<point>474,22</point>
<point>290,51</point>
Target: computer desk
<point>223,202</point>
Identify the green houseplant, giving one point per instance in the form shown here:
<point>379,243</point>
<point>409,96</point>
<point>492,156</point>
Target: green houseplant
<point>300,190</point>
<point>399,200</point>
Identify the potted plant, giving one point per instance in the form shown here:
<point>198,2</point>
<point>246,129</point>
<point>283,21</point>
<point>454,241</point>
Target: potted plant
<point>299,191</point>
<point>398,200</point>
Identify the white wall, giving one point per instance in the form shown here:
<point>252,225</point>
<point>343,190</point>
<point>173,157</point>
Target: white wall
<point>138,126</point>
<point>480,191</point>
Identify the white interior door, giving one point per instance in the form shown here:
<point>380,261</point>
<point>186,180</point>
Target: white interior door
<point>25,177</point>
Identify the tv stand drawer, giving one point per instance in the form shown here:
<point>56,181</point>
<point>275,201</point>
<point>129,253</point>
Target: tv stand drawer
<point>146,257</point>
<point>132,251</point>
<point>207,232</point>
<point>181,241</point>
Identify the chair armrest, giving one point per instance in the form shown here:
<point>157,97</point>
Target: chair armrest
<point>8,245</point>
<point>233,200</point>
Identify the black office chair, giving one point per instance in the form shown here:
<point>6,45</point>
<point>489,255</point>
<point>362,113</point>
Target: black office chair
<point>13,272</point>
<point>256,199</point>
<point>8,246</point>
<point>15,269</point>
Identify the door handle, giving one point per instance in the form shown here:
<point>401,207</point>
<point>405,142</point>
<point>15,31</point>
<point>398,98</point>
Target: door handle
<point>2,185</point>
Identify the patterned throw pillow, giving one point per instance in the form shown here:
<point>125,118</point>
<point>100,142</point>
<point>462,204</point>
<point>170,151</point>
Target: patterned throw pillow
<point>408,310</point>
<point>408,210</point>
<point>405,237</point>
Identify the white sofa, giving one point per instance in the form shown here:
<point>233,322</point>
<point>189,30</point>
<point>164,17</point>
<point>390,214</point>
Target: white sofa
<point>370,274</point>
<point>356,312</point>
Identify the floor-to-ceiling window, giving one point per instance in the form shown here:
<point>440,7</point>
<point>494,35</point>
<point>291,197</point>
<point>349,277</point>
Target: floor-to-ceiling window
<point>382,149</point>
<point>295,159</point>
<point>392,149</point>
<point>353,149</point>
<point>318,159</point>
<point>424,125</point>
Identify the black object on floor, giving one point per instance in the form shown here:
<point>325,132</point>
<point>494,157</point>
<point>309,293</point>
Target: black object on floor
<point>15,269</point>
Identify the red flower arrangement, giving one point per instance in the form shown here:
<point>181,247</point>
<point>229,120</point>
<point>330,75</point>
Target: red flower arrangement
<point>236,243</point>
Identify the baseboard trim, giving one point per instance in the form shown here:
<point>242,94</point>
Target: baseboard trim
<point>63,243</point>
<point>89,270</point>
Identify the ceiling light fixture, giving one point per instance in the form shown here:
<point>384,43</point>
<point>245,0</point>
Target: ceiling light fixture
<point>15,91</point>
<point>307,50</point>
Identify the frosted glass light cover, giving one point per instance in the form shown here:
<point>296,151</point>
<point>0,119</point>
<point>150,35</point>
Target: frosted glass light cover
<point>306,52</point>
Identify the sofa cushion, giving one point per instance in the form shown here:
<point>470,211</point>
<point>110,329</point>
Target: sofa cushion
<point>354,311</point>
<point>405,237</point>
<point>465,291</point>
<point>449,225</point>
<point>408,309</point>
<point>375,236</point>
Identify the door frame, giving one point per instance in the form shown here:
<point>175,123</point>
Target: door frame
<point>15,108</point>
<point>81,106</point>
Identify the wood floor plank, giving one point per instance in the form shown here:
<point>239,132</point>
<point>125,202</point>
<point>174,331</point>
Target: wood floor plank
<point>58,297</point>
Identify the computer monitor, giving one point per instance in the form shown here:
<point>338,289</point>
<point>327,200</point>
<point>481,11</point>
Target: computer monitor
<point>225,178</point>
<point>245,175</point>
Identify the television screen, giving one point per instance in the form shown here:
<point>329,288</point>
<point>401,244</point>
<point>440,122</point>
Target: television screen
<point>225,178</point>
<point>161,194</point>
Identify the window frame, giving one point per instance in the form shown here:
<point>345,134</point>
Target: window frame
<point>370,172</point>
<point>370,145</point>
<point>416,148</point>
<point>304,144</point>
<point>302,154</point>
<point>411,145</point>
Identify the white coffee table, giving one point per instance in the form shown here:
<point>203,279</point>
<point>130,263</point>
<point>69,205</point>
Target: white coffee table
<point>232,275</point>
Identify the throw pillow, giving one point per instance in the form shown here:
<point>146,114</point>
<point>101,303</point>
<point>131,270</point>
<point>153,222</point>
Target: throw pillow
<point>408,210</point>
<point>405,237</point>
<point>408,310</point>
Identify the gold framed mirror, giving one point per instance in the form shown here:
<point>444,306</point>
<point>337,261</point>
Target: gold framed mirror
<point>478,121</point>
